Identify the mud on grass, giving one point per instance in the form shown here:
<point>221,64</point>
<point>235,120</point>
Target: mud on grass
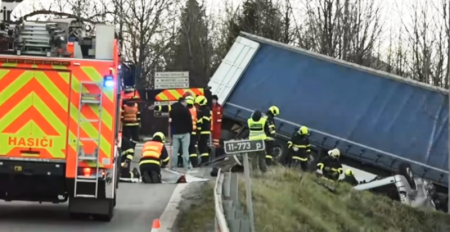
<point>197,208</point>
<point>285,201</point>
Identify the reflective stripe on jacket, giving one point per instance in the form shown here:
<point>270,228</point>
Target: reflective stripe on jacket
<point>257,129</point>
<point>151,153</point>
<point>193,111</point>
<point>130,114</point>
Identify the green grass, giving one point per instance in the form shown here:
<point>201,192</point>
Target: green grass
<point>197,210</point>
<point>285,201</point>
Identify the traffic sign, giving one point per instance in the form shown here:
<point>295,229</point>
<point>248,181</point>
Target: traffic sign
<point>162,103</point>
<point>243,146</point>
<point>171,80</point>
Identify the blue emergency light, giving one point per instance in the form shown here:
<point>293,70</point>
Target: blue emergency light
<point>108,81</point>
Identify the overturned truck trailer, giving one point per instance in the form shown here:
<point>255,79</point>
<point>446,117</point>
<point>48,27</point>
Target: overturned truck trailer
<point>373,117</point>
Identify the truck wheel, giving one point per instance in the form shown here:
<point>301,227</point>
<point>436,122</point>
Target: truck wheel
<point>78,216</point>
<point>109,215</point>
<point>280,150</point>
<point>405,170</point>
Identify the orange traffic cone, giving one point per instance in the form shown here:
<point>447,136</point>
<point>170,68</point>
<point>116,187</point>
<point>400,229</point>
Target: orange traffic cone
<point>156,225</point>
<point>182,179</point>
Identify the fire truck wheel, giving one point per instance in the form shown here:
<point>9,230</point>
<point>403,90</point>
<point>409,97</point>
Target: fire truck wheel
<point>108,216</point>
<point>79,216</point>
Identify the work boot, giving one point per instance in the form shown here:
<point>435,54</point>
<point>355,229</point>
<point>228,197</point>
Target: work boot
<point>146,178</point>
<point>135,173</point>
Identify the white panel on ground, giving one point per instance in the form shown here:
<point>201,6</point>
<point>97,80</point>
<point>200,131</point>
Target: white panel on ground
<point>232,67</point>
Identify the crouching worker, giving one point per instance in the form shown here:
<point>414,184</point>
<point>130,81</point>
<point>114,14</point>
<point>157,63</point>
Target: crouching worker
<point>300,149</point>
<point>154,154</point>
<point>330,166</point>
<point>127,156</point>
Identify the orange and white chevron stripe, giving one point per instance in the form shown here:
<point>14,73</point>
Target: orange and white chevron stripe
<point>175,94</point>
<point>39,106</point>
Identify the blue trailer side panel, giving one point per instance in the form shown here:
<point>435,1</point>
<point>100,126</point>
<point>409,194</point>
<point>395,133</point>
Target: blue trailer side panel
<point>367,112</point>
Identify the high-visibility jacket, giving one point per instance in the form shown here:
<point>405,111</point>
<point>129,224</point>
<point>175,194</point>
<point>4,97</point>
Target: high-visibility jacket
<point>272,127</point>
<point>193,111</point>
<point>153,153</point>
<point>204,120</point>
<point>257,129</point>
<point>130,115</point>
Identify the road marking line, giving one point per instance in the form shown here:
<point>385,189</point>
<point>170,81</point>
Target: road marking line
<point>171,211</point>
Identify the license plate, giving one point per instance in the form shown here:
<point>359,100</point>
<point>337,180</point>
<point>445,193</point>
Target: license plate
<point>18,168</point>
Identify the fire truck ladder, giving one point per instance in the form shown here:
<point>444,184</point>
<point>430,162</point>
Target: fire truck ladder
<point>94,100</point>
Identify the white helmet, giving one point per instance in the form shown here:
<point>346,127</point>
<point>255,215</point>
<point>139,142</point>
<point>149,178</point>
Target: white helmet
<point>335,153</point>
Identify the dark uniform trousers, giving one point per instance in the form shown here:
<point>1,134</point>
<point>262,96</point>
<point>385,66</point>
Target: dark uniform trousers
<point>126,158</point>
<point>131,132</point>
<point>193,155</point>
<point>269,151</point>
<point>151,173</point>
<point>203,148</point>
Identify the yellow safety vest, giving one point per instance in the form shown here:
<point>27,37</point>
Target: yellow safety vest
<point>257,129</point>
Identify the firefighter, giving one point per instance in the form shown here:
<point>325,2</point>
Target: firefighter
<point>154,153</point>
<point>193,156</point>
<point>330,166</point>
<point>217,121</point>
<point>203,128</point>
<point>131,118</point>
<point>258,130</point>
<point>271,114</point>
<point>350,177</point>
<point>299,149</point>
<point>126,158</point>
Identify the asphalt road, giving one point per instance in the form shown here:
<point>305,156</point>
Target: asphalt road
<point>137,206</point>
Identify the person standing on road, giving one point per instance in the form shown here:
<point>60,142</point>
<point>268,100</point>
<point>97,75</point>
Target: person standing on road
<point>258,130</point>
<point>181,129</point>
<point>193,156</point>
<point>181,122</point>
<point>154,153</point>
<point>203,128</point>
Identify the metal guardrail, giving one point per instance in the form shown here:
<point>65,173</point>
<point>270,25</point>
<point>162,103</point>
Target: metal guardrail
<point>230,215</point>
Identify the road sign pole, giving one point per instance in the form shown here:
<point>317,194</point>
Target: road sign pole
<point>248,192</point>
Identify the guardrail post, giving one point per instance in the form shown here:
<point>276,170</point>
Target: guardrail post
<point>227,185</point>
<point>234,189</point>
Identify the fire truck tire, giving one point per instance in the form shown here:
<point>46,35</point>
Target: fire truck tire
<point>108,216</point>
<point>78,216</point>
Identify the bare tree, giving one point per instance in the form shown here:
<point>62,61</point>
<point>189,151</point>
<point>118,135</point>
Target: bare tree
<point>146,34</point>
<point>427,42</point>
<point>345,29</point>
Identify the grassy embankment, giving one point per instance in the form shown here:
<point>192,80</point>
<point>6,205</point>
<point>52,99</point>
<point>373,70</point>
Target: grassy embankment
<point>284,201</point>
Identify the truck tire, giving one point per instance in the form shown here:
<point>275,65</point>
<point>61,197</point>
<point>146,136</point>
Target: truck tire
<point>405,170</point>
<point>109,215</point>
<point>280,150</point>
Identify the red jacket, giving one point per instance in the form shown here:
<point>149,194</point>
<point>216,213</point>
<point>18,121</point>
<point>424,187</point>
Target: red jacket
<point>217,113</point>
